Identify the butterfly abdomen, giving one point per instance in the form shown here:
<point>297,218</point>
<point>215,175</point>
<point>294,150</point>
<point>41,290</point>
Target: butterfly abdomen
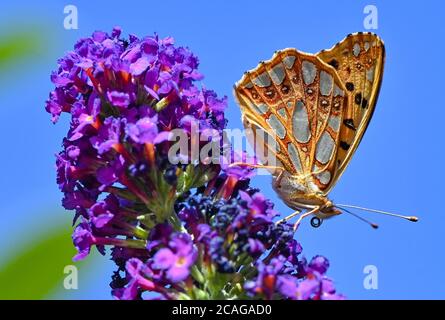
<point>298,192</point>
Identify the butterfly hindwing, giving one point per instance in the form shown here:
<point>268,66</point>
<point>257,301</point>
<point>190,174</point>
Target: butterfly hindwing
<point>300,101</point>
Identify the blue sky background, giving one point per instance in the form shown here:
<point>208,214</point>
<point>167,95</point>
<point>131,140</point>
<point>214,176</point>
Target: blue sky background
<point>398,166</point>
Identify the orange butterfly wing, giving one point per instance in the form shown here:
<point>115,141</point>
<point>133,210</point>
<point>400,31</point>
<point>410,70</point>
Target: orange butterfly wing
<point>299,101</point>
<point>359,61</point>
<point>311,111</point>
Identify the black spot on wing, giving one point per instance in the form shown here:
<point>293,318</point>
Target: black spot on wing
<point>358,98</point>
<point>350,86</point>
<point>334,63</point>
<point>364,103</point>
<point>344,145</point>
<point>350,124</point>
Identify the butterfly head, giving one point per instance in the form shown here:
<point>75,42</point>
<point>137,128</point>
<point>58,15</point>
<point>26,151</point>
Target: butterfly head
<point>328,210</point>
<point>301,192</point>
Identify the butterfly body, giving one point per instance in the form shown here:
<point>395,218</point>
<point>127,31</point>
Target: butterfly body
<point>302,193</point>
<point>310,112</point>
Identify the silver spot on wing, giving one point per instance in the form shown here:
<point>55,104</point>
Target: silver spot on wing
<point>248,85</point>
<point>289,61</point>
<point>324,176</point>
<point>277,126</point>
<point>356,49</point>
<point>260,108</point>
<point>282,113</point>
<point>277,74</point>
<point>338,91</point>
<point>300,123</point>
<point>309,71</point>
<point>325,148</point>
<point>293,153</point>
<point>262,80</point>
<point>326,83</point>
<point>367,46</point>
<point>263,108</point>
<point>334,123</point>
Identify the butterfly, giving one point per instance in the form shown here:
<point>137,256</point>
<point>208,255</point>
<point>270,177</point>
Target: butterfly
<point>311,111</point>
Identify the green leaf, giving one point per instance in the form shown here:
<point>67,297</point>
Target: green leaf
<point>37,269</point>
<point>185,179</point>
<point>19,45</point>
<point>23,46</point>
<point>180,185</point>
<point>203,175</point>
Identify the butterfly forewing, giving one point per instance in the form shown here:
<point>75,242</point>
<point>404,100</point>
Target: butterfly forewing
<point>358,60</point>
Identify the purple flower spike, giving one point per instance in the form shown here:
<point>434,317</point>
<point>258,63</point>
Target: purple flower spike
<point>175,230</point>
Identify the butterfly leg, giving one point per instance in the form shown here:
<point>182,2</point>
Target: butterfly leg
<point>280,177</point>
<point>257,166</point>
<point>287,218</point>
<point>304,215</point>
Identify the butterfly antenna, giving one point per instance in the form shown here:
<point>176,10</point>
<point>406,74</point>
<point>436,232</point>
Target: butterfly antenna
<point>409,218</point>
<point>373,225</point>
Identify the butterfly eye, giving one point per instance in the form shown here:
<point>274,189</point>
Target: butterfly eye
<point>270,93</point>
<point>309,91</point>
<point>285,89</point>
<point>254,95</point>
<point>294,79</point>
<point>324,103</point>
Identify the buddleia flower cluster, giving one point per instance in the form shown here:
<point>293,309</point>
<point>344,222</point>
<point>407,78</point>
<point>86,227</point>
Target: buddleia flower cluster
<point>180,229</point>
